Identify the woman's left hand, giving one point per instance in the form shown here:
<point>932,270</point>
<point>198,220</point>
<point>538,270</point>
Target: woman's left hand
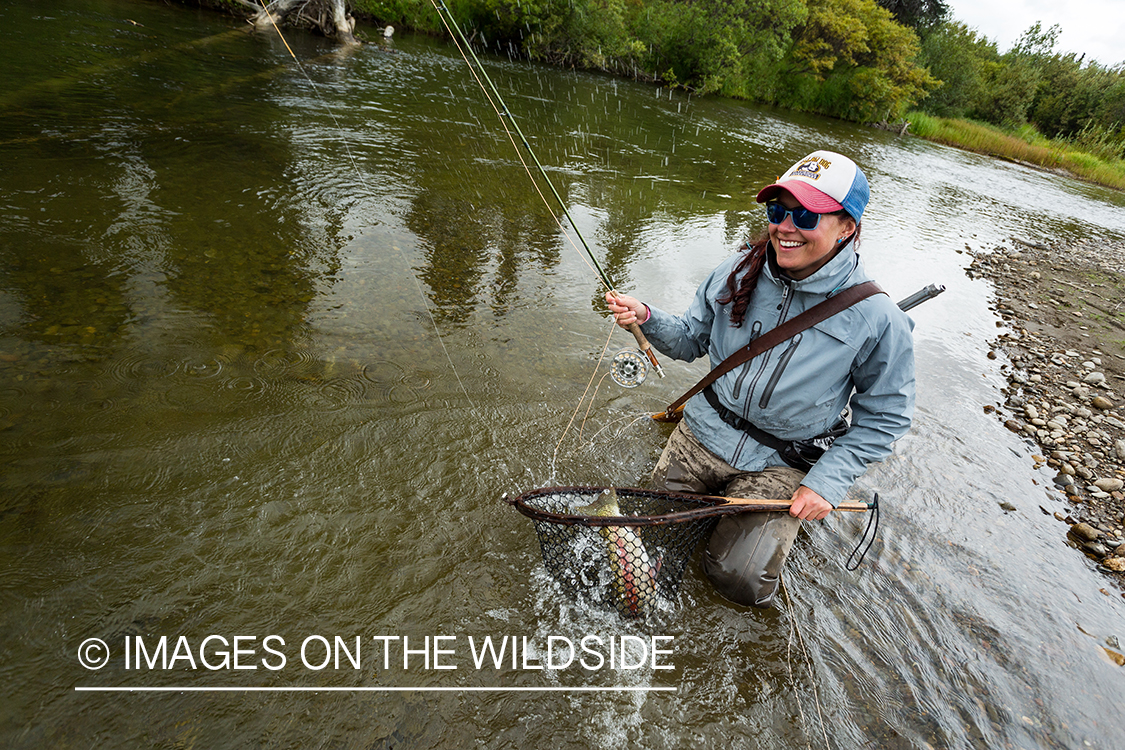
<point>809,506</point>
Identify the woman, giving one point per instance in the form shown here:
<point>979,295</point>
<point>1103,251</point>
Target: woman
<point>861,357</point>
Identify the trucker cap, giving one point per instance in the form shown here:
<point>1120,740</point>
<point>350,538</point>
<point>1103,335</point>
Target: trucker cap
<point>824,181</point>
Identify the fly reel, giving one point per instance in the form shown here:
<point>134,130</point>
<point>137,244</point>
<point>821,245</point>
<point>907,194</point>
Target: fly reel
<point>629,368</point>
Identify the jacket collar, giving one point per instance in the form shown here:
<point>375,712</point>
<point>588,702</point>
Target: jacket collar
<point>844,270</point>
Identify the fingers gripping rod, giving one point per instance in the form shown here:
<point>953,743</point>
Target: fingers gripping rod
<point>642,342</point>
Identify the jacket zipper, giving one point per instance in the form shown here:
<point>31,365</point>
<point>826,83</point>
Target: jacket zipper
<point>781,365</point>
<point>755,332</point>
<point>784,308</point>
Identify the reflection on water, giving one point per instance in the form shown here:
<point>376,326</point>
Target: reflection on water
<point>274,341</point>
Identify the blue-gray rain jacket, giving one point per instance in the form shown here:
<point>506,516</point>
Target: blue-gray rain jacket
<point>797,390</point>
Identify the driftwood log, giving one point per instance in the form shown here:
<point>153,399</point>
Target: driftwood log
<point>329,17</point>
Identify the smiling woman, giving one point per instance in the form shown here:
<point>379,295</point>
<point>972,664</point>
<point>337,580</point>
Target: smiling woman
<point>773,426</point>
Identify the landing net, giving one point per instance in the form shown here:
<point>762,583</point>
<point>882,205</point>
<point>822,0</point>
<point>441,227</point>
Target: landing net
<point>618,547</point>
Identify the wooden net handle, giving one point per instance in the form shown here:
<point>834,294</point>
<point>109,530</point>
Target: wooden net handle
<point>782,504</point>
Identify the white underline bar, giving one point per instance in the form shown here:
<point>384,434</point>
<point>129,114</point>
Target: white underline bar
<point>122,689</point>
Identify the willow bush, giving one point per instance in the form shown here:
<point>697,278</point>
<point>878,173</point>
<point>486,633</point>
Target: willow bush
<point>769,51</point>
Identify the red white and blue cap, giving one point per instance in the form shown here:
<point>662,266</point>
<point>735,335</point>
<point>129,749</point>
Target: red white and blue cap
<point>824,181</point>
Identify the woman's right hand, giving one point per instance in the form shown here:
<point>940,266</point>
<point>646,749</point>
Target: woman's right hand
<point>626,310</point>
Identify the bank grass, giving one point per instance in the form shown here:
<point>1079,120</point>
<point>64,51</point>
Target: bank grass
<point>1023,145</point>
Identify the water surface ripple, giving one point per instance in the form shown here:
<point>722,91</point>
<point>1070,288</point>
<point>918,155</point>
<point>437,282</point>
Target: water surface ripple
<point>275,340</point>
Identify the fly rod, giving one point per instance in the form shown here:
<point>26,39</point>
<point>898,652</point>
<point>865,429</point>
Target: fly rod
<point>463,44</point>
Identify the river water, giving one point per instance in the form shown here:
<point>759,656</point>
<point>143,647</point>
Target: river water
<point>275,340</point>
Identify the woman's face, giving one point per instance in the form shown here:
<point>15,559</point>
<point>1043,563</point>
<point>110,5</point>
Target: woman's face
<point>800,252</point>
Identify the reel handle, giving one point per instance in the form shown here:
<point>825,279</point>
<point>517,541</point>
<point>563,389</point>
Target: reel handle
<point>646,348</point>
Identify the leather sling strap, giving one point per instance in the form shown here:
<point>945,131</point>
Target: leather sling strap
<point>783,332</point>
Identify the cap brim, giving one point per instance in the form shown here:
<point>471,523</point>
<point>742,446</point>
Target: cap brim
<point>806,195</point>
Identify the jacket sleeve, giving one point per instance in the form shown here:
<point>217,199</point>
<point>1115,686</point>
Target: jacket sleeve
<point>882,408</point>
<point>688,337</point>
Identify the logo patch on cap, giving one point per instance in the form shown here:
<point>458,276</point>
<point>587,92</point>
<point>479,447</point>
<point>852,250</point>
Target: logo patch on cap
<point>810,169</point>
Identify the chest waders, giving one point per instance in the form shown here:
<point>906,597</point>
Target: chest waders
<point>746,553</point>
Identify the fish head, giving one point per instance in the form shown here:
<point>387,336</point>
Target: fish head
<point>605,504</point>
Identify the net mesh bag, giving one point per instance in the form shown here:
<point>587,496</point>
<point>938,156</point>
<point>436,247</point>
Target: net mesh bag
<point>618,547</point>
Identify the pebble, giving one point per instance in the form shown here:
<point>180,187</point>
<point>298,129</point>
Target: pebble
<point>1096,549</point>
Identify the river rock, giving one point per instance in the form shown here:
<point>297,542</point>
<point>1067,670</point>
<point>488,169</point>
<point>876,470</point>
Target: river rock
<point>1094,378</point>
<point>1095,549</point>
<point>1085,532</point>
<point>1101,402</point>
<point>1109,484</point>
<point>1116,564</point>
<point>1031,412</point>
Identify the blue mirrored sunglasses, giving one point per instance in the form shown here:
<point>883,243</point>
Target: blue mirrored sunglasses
<point>802,217</point>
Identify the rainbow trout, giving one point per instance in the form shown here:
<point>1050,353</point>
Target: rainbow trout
<point>634,572</point>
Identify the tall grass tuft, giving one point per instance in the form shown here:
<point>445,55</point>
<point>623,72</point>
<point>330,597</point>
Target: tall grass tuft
<point>1025,145</point>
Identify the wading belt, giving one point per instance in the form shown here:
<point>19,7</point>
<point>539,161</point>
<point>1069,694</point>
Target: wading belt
<point>769,340</point>
<point>744,425</point>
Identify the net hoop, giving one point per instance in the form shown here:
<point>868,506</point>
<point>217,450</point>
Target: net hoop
<point>693,507</point>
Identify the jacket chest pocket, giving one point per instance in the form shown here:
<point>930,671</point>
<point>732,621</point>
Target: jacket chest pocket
<point>779,370</point>
<point>808,383</point>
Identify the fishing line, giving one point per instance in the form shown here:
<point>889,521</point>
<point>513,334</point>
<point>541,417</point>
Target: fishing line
<point>632,421</point>
<point>505,116</point>
<point>646,354</point>
<point>590,405</point>
<point>367,187</point>
<point>578,405</point>
<point>808,666</point>
<point>629,366</point>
